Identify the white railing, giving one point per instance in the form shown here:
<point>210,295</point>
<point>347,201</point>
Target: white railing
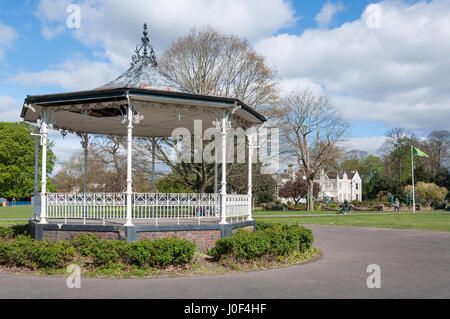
<point>86,205</point>
<point>175,206</point>
<point>237,205</point>
<point>144,206</point>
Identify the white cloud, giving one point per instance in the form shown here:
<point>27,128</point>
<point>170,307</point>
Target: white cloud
<point>7,36</point>
<point>166,21</point>
<point>288,85</point>
<point>52,14</point>
<point>9,109</point>
<point>370,144</point>
<point>398,74</point>
<point>76,74</point>
<point>327,12</point>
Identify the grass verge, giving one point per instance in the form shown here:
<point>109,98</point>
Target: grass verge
<point>428,221</point>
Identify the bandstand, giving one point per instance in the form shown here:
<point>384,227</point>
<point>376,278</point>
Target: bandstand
<point>142,102</point>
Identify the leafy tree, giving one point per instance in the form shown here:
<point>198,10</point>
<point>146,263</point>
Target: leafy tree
<point>442,178</point>
<point>351,165</point>
<point>263,185</point>
<point>429,193</point>
<point>172,183</point>
<point>17,160</point>
<point>371,170</point>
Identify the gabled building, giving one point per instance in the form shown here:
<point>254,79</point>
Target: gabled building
<point>334,186</point>
<point>339,187</point>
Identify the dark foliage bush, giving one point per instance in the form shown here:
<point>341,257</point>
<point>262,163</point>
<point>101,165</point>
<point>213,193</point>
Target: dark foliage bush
<point>23,251</point>
<point>268,239</point>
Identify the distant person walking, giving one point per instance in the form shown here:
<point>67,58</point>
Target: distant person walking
<point>396,206</point>
<point>346,207</point>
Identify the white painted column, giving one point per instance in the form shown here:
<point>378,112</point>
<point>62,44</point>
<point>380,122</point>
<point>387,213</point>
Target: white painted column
<point>129,153</point>
<point>36,173</point>
<point>224,169</point>
<point>249,186</point>
<point>44,133</point>
<point>412,179</point>
<point>153,165</point>
<point>215,170</point>
<point>85,144</point>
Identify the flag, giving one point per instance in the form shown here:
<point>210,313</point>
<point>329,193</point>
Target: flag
<point>419,152</point>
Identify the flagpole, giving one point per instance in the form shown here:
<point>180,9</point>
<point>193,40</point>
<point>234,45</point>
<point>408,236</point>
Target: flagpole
<point>412,178</point>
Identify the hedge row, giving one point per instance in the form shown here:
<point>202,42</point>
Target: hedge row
<point>23,251</point>
<point>268,239</point>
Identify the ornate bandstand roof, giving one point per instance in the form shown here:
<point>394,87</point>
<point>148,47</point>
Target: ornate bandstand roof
<point>162,103</point>
<point>144,72</point>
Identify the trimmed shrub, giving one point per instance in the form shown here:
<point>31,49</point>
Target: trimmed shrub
<point>242,245</point>
<point>174,251</point>
<point>138,253</point>
<point>51,255</point>
<point>26,252</point>
<point>23,251</point>
<point>6,233</point>
<point>268,239</point>
<point>106,251</point>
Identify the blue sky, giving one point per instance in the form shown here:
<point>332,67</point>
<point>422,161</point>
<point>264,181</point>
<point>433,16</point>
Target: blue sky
<point>391,74</point>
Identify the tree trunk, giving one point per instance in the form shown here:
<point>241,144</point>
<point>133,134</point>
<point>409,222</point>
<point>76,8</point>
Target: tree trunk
<point>310,194</point>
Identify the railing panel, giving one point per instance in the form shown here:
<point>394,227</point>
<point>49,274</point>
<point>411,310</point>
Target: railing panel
<point>144,206</point>
<point>237,205</point>
<point>175,205</point>
<point>86,206</point>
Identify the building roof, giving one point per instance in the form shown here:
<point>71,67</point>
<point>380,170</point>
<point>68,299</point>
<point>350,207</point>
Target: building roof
<point>160,102</point>
<point>334,175</point>
<point>144,72</point>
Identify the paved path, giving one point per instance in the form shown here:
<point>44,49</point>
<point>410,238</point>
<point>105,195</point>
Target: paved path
<point>414,264</point>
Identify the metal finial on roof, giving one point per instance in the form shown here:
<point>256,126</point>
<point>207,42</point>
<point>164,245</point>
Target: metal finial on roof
<point>146,57</point>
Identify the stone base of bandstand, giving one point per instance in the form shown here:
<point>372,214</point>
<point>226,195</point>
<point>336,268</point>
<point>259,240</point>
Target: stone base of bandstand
<point>204,233</point>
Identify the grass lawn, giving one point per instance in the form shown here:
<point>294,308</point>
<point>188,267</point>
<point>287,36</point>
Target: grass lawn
<point>428,221</point>
<point>257,212</point>
<point>12,222</point>
<point>16,212</point>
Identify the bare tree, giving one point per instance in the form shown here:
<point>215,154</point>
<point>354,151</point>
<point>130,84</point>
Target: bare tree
<point>438,147</point>
<point>310,130</point>
<point>109,151</point>
<point>396,153</point>
<point>208,62</point>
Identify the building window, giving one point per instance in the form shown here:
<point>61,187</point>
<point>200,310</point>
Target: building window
<point>357,198</point>
<point>357,186</point>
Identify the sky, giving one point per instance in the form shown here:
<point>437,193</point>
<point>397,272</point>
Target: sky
<point>383,64</point>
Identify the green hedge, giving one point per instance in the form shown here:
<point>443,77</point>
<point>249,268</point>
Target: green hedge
<point>23,251</point>
<point>268,239</point>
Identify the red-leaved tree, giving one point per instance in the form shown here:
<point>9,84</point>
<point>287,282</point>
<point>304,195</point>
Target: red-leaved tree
<point>297,189</point>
